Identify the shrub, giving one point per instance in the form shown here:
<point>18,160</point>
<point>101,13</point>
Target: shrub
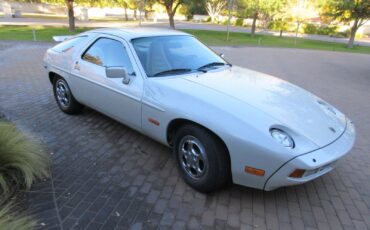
<point>239,22</point>
<point>343,34</point>
<point>278,25</point>
<point>327,30</point>
<point>271,25</point>
<point>310,29</point>
<point>208,19</point>
<point>11,221</point>
<point>321,30</point>
<point>22,160</point>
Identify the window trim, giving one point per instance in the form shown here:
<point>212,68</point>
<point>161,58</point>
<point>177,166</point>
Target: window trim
<point>95,41</point>
<point>140,65</point>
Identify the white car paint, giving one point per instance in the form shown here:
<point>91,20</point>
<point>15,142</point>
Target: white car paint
<point>239,105</point>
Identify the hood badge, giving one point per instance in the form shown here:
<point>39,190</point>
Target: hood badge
<point>332,129</point>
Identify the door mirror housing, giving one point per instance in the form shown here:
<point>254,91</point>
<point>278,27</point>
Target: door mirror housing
<point>118,72</point>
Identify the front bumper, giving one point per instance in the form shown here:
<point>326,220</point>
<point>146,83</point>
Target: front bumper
<point>315,163</point>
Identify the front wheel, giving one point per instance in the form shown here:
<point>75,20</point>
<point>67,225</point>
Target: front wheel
<point>202,159</point>
<point>63,95</point>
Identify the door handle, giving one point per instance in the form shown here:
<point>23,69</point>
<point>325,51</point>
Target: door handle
<point>77,66</point>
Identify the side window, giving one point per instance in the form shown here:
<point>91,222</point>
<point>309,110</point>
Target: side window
<point>108,53</point>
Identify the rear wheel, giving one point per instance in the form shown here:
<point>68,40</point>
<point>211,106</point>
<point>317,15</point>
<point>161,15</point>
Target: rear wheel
<point>202,159</point>
<point>64,98</point>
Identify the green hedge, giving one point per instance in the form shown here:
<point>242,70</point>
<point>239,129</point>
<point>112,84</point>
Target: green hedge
<point>321,30</point>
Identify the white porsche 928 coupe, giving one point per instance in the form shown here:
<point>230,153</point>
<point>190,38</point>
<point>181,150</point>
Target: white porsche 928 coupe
<point>224,123</point>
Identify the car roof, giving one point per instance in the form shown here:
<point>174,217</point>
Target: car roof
<point>137,32</point>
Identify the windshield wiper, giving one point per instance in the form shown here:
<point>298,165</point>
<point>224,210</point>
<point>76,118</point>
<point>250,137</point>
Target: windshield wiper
<point>172,71</point>
<point>213,64</point>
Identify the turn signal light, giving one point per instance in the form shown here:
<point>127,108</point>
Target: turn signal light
<point>251,170</point>
<point>298,173</point>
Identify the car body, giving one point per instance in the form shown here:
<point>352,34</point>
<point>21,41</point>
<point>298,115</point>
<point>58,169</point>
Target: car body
<point>274,133</point>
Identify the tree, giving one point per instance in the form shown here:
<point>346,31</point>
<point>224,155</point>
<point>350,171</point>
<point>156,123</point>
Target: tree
<point>193,7</point>
<point>256,8</point>
<point>70,11</point>
<point>171,8</point>
<point>356,12</point>
<point>214,8</point>
<point>250,8</point>
<point>124,4</point>
<point>281,16</point>
<point>71,15</point>
<point>70,7</point>
<point>299,14</point>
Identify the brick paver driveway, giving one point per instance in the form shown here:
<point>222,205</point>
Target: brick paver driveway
<point>105,175</point>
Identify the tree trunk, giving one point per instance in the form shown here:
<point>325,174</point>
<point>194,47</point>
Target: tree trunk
<point>253,30</point>
<point>281,33</point>
<point>351,40</point>
<point>71,15</point>
<point>172,20</point>
<point>126,16</point>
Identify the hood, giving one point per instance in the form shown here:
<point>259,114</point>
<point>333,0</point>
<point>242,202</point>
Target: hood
<point>292,106</point>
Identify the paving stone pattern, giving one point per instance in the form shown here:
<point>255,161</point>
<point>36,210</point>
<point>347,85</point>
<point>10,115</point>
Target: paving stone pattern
<point>107,176</point>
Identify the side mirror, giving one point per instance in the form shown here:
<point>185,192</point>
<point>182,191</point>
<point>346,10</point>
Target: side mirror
<point>118,72</point>
<point>222,55</point>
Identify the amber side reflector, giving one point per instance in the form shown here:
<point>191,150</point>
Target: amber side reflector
<point>298,173</point>
<point>254,171</point>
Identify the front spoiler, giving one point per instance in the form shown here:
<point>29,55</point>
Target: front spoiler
<point>323,159</point>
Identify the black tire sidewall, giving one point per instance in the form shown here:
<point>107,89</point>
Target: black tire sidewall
<point>217,173</point>
<point>74,107</point>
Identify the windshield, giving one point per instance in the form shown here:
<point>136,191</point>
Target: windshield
<point>165,55</point>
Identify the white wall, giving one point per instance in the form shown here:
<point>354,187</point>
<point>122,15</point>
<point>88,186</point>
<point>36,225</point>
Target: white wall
<point>35,8</point>
<point>93,12</point>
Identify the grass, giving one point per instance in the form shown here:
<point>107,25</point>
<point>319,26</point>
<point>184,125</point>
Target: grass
<point>213,38</point>
<point>22,160</point>
<point>24,33</point>
<point>218,38</point>
<point>11,221</point>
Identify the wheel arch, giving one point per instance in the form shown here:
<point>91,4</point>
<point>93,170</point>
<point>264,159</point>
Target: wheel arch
<point>52,76</point>
<point>177,123</point>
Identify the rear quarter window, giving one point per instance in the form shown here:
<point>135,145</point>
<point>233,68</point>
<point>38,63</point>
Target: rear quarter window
<point>69,44</point>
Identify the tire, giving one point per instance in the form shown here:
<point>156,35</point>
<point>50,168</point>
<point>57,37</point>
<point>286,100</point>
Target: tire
<point>64,98</point>
<point>208,158</point>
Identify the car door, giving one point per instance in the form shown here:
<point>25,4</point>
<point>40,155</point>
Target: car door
<point>110,96</point>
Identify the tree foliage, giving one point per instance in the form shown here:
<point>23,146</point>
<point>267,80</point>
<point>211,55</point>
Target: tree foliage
<point>258,8</point>
<point>349,10</point>
<point>194,7</point>
<point>356,12</point>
